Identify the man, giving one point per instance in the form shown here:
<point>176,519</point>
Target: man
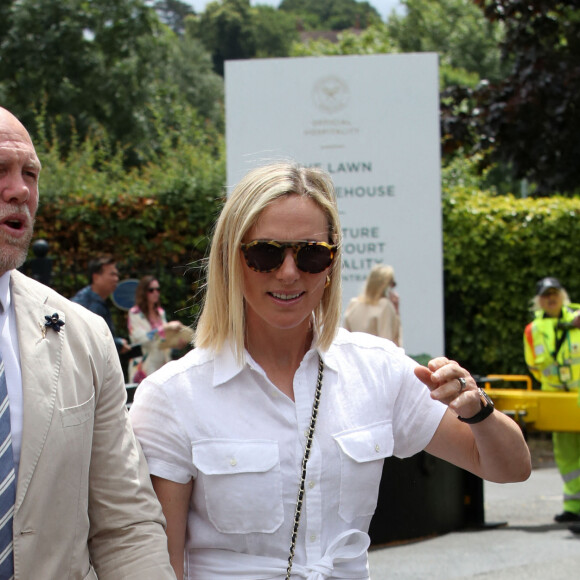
<point>552,353</point>
<point>104,278</point>
<point>82,501</point>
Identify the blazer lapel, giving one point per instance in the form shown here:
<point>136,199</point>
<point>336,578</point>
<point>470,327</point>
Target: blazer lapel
<point>40,361</point>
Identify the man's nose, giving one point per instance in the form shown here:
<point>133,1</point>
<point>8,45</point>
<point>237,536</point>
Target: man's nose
<point>15,189</point>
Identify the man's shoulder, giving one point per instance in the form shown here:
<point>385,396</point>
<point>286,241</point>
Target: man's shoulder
<point>84,296</point>
<point>29,290</point>
<point>88,298</point>
<point>34,290</point>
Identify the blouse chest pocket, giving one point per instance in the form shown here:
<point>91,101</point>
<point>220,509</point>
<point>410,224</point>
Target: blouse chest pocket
<point>242,484</point>
<point>362,451</point>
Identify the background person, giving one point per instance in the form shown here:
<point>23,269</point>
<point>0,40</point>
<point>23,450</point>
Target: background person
<point>147,324</point>
<point>76,497</point>
<point>104,278</point>
<point>376,310</point>
<point>228,428</point>
<point>552,353</point>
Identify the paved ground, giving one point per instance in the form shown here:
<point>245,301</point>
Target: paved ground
<point>529,546</point>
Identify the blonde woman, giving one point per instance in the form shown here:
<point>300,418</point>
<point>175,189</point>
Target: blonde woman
<point>376,310</point>
<point>266,442</point>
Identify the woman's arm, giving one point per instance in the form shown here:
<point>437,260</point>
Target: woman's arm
<point>174,498</point>
<point>388,321</point>
<point>494,449</point>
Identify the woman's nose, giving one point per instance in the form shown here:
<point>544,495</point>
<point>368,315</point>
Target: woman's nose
<point>288,269</point>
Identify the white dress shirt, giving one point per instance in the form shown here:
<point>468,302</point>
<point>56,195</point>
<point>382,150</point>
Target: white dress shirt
<point>11,358</point>
<point>242,441</point>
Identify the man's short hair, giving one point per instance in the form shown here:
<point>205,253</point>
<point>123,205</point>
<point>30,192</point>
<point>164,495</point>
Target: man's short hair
<point>96,264</point>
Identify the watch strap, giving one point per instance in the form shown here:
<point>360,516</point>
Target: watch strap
<point>486,410</point>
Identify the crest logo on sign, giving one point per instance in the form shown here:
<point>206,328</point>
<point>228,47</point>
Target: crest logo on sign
<point>331,94</point>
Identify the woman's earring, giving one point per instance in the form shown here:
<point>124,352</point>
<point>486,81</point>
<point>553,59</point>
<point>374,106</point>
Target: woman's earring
<point>327,282</point>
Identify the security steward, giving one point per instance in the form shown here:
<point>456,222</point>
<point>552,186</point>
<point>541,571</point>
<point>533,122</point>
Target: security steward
<point>552,352</point>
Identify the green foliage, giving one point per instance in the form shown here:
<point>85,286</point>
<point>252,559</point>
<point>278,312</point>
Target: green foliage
<point>187,80</point>
<point>78,59</point>
<point>452,76</point>
<point>331,14</point>
<point>495,250</point>
<point>372,40</point>
<point>456,29</point>
<point>153,219</point>
<point>460,172</point>
<point>89,64</point>
<point>531,120</point>
<point>226,31</point>
<point>173,13</point>
<point>467,44</point>
<point>232,29</point>
<point>274,32</point>
<point>464,171</point>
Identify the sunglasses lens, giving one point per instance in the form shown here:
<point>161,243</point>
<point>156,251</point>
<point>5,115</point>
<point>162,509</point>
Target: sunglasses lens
<point>314,259</point>
<point>269,256</point>
<point>264,257</point>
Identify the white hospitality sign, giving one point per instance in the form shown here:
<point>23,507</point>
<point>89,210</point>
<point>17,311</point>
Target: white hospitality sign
<point>372,122</point>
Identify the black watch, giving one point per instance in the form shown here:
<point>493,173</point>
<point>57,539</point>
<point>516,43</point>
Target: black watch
<point>487,407</point>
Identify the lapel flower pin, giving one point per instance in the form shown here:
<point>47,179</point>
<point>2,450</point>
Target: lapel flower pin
<point>52,321</point>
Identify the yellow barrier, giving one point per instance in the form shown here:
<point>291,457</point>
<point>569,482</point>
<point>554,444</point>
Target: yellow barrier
<point>509,378</point>
<point>537,410</point>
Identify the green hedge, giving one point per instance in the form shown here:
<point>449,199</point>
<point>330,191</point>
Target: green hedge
<point>495,250</point>
<point>154,220</point>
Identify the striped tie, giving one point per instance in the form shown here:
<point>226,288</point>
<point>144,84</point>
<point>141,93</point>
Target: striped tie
<point>7,483</point>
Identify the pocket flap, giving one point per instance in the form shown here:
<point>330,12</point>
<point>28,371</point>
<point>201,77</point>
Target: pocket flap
<point>367,443</point>
<point>223,456</point>
<point>72,416</point>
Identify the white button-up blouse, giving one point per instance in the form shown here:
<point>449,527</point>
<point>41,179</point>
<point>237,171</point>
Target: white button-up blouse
<point>242,441</point>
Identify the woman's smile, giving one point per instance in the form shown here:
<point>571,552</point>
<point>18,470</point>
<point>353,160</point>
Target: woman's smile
<point>286,297</point>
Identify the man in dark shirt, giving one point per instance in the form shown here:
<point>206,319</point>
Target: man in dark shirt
<point>104,279</point>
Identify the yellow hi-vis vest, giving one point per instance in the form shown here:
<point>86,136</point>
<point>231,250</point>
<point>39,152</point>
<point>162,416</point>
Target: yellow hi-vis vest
<point>540,338</point>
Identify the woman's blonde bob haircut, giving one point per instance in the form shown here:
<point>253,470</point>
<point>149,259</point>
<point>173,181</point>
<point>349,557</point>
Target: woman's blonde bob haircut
<point>378,282</point>
<point>223,314</point>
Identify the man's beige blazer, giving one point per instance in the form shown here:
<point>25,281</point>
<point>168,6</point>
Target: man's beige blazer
<point>85,507</point>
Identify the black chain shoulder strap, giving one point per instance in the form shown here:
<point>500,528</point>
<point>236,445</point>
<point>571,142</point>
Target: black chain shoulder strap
<point>309,438</point>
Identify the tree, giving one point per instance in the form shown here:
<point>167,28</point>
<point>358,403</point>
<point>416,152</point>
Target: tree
<point>173,13</point>
<point>232,29</point>
<point>274,32</point>
<point>92,64</point>
<point>531,120</point>
<point>332,14</point>
<point>467,44</point>
<point>187,79</point>
<point>226,31</point>
<point>373,40</point>
<point>80,60</point>
<point>456,29</point>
